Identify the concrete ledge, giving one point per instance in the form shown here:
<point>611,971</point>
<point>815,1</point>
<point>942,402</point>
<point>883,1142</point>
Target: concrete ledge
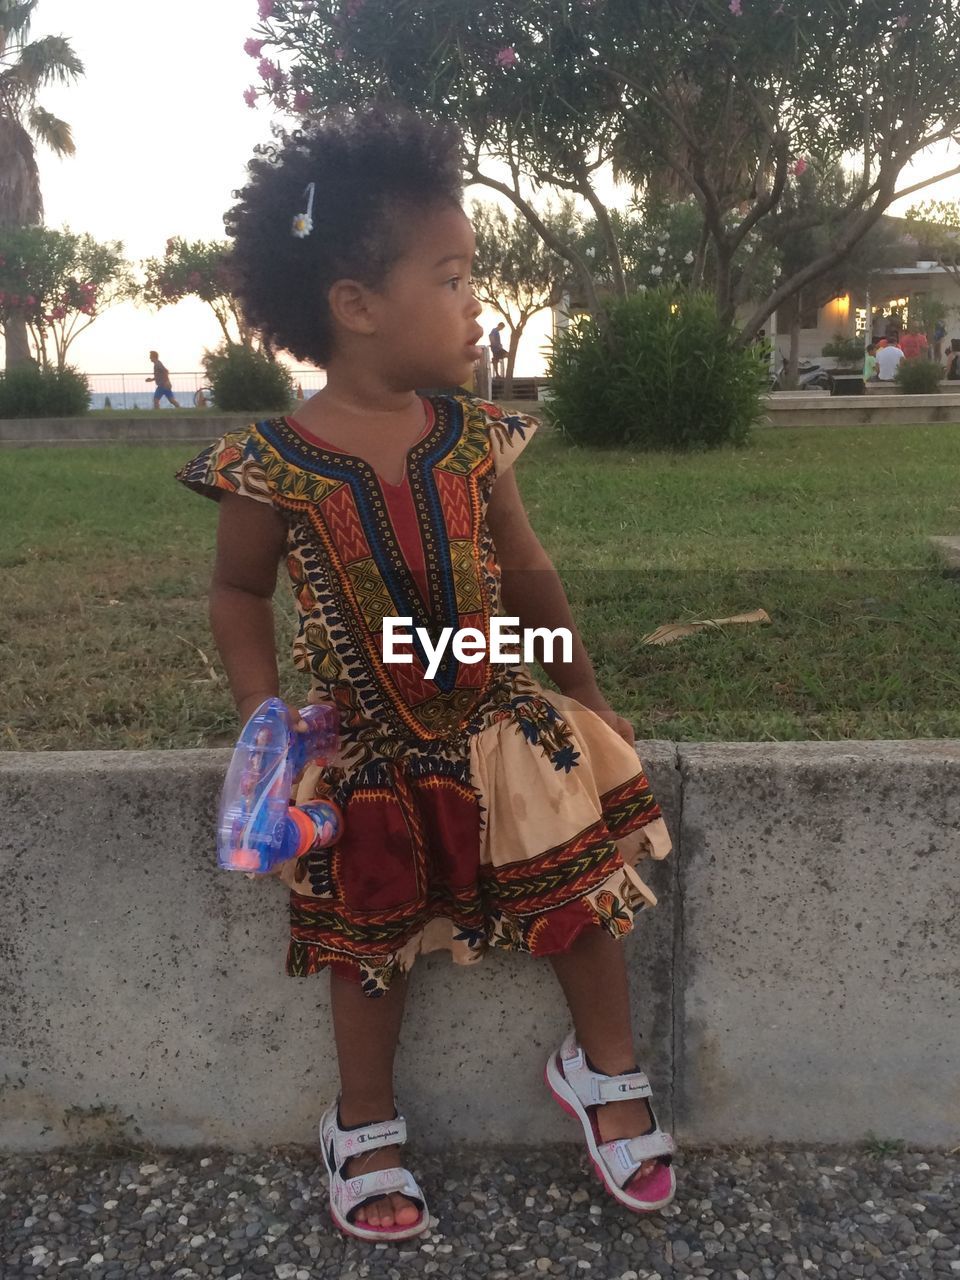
<point>156,427</point>
<point>798,981</point>
<point>809,409</point>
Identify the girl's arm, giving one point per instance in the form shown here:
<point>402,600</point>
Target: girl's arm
<point>531,590</point>
<point>251,538</point>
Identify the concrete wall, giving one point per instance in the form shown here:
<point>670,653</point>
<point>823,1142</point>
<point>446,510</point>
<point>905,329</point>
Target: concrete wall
<point>798,982</point>
<point>154,427</point>
<point>818,409</point>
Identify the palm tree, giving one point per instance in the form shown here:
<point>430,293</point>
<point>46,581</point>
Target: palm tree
<point>24,68</point>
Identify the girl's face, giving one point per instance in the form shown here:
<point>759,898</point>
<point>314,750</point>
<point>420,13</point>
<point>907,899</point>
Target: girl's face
<point>426,312</point>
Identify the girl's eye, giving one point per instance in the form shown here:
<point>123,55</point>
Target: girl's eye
<point>454,282</point>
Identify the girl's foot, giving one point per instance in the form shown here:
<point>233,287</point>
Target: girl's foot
<point>630,1152</point>
<point>393,1210</point>
<point>627,1119</point>
<point>371,1195</point>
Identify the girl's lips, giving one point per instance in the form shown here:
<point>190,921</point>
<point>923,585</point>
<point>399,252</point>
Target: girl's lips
<point>473,351</point>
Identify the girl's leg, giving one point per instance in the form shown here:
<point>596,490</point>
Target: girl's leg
<point>367,1030</point>
<point>593,967</point>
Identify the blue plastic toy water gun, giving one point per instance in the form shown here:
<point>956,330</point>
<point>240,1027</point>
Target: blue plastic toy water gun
<point>258,827</point>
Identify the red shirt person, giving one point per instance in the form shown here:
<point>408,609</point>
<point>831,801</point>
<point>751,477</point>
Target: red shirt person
<point>913,344</point>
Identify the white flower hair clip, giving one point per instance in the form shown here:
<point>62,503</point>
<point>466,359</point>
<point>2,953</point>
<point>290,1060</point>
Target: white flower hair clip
<point>303,222</point>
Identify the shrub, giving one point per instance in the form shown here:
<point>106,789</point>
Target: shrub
<point>30,392</point>
<point>247,380</point>
<point>918,377</point>
<point>668,376</point>
<point>845,350</point>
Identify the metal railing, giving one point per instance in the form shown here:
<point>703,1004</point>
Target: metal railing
<point>132,391</point>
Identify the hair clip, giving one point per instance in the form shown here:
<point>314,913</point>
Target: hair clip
<point>303,222</point>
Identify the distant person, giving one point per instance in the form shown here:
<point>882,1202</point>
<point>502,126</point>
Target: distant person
<point>939,333</point>
<point>952,369</point>
<point>498,352</point>
<point>161,377</point>
<point>200,399</point>
<point>871,368</point>
<point>913,343</point>
<point>888,361</point>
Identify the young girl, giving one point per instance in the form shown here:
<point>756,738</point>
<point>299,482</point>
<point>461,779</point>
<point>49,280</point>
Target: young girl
<point>479,809</point>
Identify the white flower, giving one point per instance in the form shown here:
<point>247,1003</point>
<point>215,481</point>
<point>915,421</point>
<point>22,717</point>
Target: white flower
<point>661,250</point>
<point>688,257</point>
<point>590,252</point>
<point>302,225</point>
<point>656,270</point>
<point>748,248</point>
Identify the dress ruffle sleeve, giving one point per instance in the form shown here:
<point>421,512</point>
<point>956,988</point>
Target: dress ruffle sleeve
<point>232,464</point>
<point>510,433</point>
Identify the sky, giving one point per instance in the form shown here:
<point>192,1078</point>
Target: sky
<point>163,136</point>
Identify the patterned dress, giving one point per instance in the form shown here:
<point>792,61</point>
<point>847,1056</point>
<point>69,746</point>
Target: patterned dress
<point>479,809</point>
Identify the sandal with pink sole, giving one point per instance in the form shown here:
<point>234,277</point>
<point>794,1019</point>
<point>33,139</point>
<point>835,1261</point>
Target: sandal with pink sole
<point>580,1091</point>
<point>348,1194</point>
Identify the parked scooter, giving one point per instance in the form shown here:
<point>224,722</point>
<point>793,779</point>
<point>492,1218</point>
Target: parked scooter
<point>810,376</point>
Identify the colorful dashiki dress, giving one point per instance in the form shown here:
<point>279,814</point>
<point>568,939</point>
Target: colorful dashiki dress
<point>479,809</point>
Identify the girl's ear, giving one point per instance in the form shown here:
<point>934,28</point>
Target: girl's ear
<point>350,306</point>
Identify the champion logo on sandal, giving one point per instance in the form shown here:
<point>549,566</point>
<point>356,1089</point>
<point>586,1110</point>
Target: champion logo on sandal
<point>369,1137</point>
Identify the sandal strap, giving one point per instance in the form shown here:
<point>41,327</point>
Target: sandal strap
<point>592,1087</point>
<point>625,1156</point>
<point>367,1138</point>
<point>350,1194</point>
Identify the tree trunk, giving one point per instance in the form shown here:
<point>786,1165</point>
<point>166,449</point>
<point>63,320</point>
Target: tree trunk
<point>793,360</point>
<point>515,336</point>
<point>17,342</point>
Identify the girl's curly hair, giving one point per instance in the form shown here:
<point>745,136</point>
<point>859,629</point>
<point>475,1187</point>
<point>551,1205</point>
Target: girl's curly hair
<point>372,172</point>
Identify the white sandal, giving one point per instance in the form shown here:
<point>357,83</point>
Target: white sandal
<point>348,1194</point>
<point>579,1090</point>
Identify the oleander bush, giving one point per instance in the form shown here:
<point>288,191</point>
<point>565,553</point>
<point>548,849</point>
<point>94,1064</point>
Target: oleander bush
<point>918,377</point>
<point>662,373</point>
<point>248,381</point>
<point>28,391</point>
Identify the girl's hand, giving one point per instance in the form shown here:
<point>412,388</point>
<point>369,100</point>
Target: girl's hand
<point>591,697</point>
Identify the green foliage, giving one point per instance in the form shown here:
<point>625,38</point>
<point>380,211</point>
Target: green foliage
<point>918,377</point>
<point>661,242</point>
<point>846,350</point>
<point>666,375</point>
<point>58,282</point>
<point>30,392</point>
<point>196,269</point>
<point>719,100</point>
<point>248,381</point>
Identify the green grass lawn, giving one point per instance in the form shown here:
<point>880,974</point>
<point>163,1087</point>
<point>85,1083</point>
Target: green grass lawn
<point>105,560</point>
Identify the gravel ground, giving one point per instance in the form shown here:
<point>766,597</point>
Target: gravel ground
<point>499,1213</point>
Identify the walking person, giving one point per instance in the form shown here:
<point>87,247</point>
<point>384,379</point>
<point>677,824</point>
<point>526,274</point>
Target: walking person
<point>480,809</point>
<point>161,377</point>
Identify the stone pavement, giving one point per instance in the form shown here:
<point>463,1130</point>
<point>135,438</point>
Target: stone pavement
<point>500,1212</point>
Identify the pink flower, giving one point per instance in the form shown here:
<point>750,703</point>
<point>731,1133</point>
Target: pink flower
<point>736,8</point>
<point>799,167</point>
<point>903,21</point>
<point>267,69</point>
<point>507,57</point>
<point>302,100</point>
<point>339,54</point>
<point>29,300</point>
<point>250,96</point>
<point>265,9</point>
<point>253,47</point>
